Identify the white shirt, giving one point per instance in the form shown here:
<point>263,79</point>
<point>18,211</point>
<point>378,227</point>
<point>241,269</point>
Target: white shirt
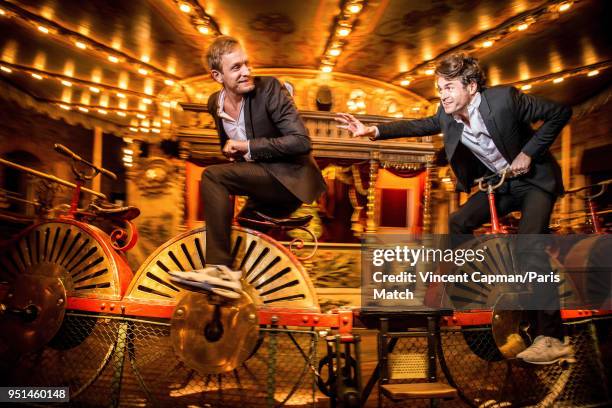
<point>235,129</point>
<point>476,137</point>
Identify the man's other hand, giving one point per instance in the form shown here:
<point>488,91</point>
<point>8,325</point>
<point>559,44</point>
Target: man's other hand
<point>520,164</point>
<point>354,126</point>
<point>235,148</point>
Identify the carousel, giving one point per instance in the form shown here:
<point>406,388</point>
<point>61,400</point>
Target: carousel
<point>104,135</point>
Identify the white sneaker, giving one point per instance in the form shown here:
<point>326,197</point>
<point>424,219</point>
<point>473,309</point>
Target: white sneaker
<point>218,279</point>
<point>546,350</point>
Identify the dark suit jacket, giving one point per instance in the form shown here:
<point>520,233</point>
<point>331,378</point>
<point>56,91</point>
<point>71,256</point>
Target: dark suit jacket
<point>507,114</point>
<point>277,137</point>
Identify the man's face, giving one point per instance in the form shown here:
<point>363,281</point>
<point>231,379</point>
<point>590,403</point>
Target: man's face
<point>235,74</point>
<point>455,96</point>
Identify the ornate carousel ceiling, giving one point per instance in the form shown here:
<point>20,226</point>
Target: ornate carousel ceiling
<point>115,60</point>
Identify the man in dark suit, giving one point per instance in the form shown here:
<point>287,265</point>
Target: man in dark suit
<point>261,132</point>
<point>488,130</point>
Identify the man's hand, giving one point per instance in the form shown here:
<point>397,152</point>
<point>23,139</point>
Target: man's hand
<point>520,164</point>
<point>354,126</point>
<point>235,148</point>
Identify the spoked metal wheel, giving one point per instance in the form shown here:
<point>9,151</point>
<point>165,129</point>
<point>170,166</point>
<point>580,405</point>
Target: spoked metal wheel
<point>78,254</point>
<point>272,277</point>
<point>42,267</point>
<point>501,259</point>
<point>276,277</point>
<point>218,350</point>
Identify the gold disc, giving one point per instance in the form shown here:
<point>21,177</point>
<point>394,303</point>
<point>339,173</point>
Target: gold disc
<point>213,335</point>
<point>33,311</point>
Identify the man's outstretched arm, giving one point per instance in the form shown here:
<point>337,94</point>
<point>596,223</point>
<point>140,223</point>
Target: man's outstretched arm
<point>400,128</point>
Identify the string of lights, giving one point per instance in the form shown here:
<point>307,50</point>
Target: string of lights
<point>343,25</point>
<point>200,20</point>
<point>488,38</point>
<point>558,77</point>
<point>69,81</point>
<point>84,43</point>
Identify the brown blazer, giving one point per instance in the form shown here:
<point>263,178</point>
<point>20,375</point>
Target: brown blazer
<point>277,137</point>
<point>508,114</point>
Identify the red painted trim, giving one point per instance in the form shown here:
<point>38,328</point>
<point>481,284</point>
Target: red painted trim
<point>122,307</point>
<point>475,318</point>
<point>343,320</point>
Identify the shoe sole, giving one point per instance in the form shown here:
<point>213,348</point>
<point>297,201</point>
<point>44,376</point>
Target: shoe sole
<point>569,360</point>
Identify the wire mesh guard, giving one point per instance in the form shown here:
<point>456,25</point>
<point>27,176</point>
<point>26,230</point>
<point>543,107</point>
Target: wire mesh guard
<point>486,381</point>
<point>116,361</point>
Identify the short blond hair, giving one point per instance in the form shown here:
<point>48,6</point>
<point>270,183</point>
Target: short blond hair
<point>221,46</point>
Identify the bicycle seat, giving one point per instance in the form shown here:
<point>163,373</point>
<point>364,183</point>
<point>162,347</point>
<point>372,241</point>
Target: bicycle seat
<point>114,212</point>
<point>263,220</point>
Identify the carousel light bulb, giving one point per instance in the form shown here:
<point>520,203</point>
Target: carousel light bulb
<point>83,109</point>
<point>102,111</point>
<point>2,12</point>
<point>343,31</point>
<point>94,89</point>
<point>203,29</point>
<point>166,104</point>
<point>487,44</point>
<point>80,45</point>
<point>144,129</point>
<point>122,114</point>
<point>326,68</point>
<point>43,29</point>
<point>522,27</point>
<point>113,59</point>
<point>169,82</point>
<point>120,95</point>
<point>565,6</point>
<point>429,71</point>
<point>5,69</point>
<point>65,107</point>
<point>147,101</point>
<point>142,71</point>
<point>185,8</point>
<point>558,80</point>
<point>156,130</point>
<point>166,121</point>
<point>66,83</point>
<point>355,8</point>
<point>335,52</point>
<point>405,82</point>
<point>525,87</point>
<point>39,77</point>
<point>145,58</point>
<point>593,73</point>
<point>140,116</point>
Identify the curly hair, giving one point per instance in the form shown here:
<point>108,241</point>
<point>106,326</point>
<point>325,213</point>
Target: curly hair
<point>222,45</point>
<point>463,67</point>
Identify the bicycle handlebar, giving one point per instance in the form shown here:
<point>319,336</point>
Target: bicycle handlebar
<point>578,189</point>
<point>490,180</point>
<point>60,148</point>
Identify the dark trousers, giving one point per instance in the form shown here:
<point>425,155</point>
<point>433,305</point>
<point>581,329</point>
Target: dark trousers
<point>265,194</point>
<point>536,206</point>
